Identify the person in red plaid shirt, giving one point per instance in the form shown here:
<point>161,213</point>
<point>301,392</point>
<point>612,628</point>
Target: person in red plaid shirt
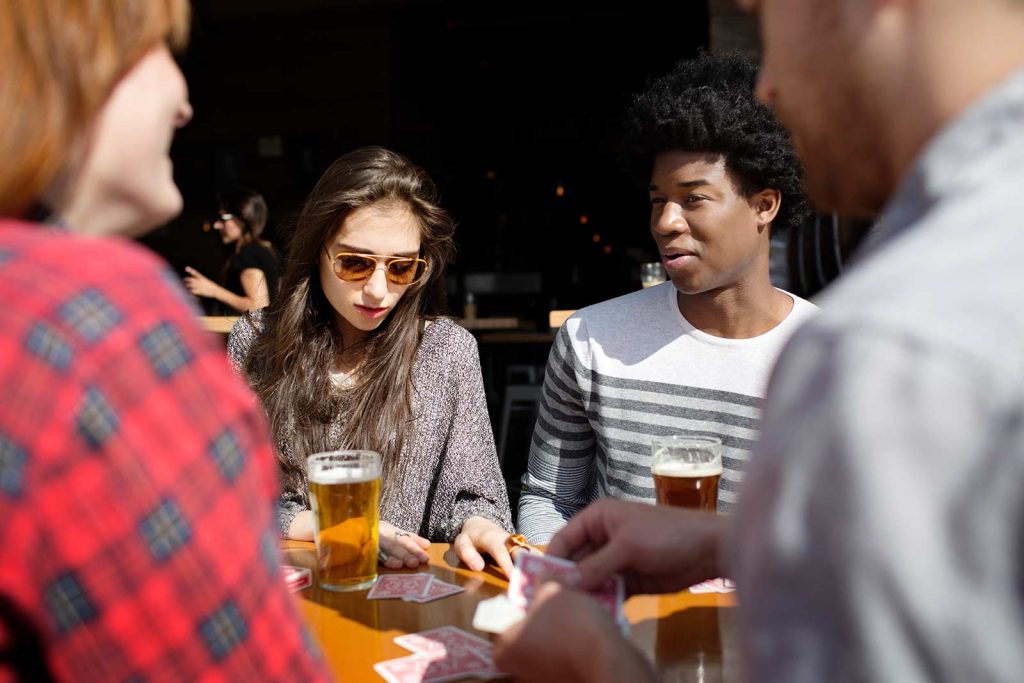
<point>137,481</point>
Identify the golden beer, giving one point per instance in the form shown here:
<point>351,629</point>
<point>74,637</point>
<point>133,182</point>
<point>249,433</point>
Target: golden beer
<point>686,470</point>
<point>689,486</point>
<point>344,494</point>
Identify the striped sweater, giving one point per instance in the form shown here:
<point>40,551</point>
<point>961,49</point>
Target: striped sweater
<point>628,369</point>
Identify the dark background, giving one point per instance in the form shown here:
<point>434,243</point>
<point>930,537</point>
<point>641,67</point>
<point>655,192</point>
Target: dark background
<point>502,103</point>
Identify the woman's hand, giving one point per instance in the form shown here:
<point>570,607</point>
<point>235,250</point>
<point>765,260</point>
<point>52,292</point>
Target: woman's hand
<point>199,284</point>
<point>402,548</point>
<point>478,535</point>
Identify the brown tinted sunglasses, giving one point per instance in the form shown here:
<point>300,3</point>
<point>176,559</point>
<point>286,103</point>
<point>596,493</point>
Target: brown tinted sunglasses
<point>399,270</point>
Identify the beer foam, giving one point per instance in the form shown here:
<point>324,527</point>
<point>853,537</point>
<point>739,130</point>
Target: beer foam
<point>344,475</point>
<point>678,468</point>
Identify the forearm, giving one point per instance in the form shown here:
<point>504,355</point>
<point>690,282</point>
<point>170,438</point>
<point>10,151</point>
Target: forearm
<point>540,517</point>
<point>229,298</point>
<point>288,510</point>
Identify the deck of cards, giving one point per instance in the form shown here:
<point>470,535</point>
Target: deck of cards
<point>418,588</point>
<point>499,613</point>
<point>441,654</point>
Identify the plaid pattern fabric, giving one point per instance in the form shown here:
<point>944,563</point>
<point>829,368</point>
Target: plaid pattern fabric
<point>137,483</point>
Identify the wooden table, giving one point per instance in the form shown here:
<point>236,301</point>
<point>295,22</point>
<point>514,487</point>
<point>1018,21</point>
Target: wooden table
<point>688,637</point>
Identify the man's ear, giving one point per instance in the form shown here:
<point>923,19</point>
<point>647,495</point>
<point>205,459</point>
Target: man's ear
<point>766,205</point>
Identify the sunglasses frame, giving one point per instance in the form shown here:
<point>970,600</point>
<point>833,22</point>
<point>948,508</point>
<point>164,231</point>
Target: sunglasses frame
<point>377,258</point>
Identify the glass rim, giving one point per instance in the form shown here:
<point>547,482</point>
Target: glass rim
<point>343,455</point>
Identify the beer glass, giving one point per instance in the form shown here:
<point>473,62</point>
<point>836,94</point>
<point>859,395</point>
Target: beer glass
<point>344,494</point>
<point>652,274</point>
<point>686,469</point>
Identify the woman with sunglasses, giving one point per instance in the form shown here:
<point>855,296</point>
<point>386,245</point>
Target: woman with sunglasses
<point>251,273</point>
<point>350,355</point>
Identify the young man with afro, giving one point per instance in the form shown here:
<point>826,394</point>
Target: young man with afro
<point>692,354</point>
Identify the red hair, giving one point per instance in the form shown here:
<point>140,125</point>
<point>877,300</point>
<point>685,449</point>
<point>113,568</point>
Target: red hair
<point>61,61</point>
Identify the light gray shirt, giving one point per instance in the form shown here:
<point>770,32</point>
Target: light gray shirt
<point>880,533</point>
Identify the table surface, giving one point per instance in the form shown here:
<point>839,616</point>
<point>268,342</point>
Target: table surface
<point>689,637</point>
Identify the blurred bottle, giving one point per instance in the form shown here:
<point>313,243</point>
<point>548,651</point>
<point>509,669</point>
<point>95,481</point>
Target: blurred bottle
<point>469,308</point>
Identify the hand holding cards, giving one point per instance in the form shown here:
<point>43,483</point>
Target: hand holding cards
<point>497,614</point>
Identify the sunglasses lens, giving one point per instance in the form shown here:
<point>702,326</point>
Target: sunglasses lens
<point>354,267</point>
<point>405,271</point>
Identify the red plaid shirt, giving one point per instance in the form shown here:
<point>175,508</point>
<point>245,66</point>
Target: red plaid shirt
<point>137,482</point>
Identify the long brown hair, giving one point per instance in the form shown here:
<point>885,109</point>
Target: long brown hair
<point>290,362</point>
<point>61,61</point>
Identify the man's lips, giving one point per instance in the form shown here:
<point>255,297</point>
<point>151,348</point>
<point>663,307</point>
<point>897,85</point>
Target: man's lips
<point>371,312</point>
<point>677,260</point>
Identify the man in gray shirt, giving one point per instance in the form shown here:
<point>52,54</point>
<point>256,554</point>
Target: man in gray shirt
<point>880,533</point>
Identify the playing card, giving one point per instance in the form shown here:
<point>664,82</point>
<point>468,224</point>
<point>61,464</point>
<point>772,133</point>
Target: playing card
<point>296,578</point>
<point>436,590</point>
<point>611,596</point>
<point>531,571</point>
<point>714,586</point>
<point>496,615</point>
<point>400,586</point>
<point>435,668</point>
<point>442,640</point>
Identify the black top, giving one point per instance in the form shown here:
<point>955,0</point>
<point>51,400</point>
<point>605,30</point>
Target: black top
<point>252,255</point>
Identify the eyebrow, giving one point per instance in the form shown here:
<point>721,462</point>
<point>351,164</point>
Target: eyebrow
<point>359,250</point>
<point>700,182</point>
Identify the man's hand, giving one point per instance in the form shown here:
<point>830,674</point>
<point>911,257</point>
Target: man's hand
<point>567,636</point>
<point>657,549</point>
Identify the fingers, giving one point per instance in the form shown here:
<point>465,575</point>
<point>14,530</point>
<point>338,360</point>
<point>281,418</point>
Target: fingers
<point>399,556</point>
<point>411,545</point>
<point>609,559</point>
<point>465,551</point>
<point>493,543</point>
<point>503,558</point>
<point>585,529</point>
<point>192,271</point>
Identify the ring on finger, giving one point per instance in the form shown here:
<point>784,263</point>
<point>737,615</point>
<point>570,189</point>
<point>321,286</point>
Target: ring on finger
<point>399,533</point>
<point>382,555</point>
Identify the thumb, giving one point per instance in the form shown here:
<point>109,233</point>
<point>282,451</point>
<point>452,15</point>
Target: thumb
<point>191,271</point>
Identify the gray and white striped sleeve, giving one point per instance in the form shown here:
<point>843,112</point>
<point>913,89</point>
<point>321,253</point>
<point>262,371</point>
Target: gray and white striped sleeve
<point>559,479</point>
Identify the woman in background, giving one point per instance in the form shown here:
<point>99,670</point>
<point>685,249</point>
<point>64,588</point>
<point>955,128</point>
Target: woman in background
<point>351,355</point>
<point>251,273</point>
<point>136,472</point>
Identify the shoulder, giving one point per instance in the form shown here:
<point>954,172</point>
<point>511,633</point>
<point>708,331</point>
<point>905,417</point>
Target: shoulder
<point>634,306</point>
<point>802,308</point>
<point>243,335</point>
<point>445,342</point>
<point>616,321</point>
<point>254,254</point>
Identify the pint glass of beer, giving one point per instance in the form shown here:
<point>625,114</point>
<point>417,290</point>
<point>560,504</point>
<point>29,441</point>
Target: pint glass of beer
<point>344,494</point>
<point>686,470</point>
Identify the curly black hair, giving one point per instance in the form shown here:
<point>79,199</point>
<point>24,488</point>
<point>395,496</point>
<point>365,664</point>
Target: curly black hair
<point>707,104</point>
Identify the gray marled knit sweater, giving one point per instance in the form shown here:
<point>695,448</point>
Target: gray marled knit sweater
<point>451,424</point>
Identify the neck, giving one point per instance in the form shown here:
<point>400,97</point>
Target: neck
<point>351,352</point>
<point>741,311</point>
<point>956,54</point>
